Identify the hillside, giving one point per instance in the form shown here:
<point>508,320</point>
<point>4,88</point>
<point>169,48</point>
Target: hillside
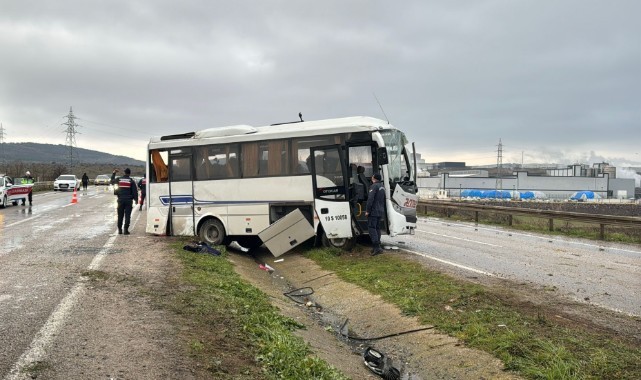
<point>49,153</point>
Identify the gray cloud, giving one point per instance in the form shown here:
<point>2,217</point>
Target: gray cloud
<point>553,80</point>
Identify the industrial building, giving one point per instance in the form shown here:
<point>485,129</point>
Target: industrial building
<point>555,183</point>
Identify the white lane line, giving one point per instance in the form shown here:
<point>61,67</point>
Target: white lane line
<point>29,219</point>
<point>43,339</point>
<point>451,263</point>
<point>458,238</point>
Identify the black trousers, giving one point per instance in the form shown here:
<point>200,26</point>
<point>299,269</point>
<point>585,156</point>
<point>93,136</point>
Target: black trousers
<point>28,197</point>
<point>373,223</point>
<point>142,198</point>
<point>124,212</point>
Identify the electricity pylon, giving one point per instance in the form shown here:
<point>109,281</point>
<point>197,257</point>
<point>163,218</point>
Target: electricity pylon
<point>71,135</point>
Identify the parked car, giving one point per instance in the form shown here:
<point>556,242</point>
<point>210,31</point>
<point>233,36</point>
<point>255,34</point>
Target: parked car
<point>102,179</point>
<point>9,192</point>
<point>66,182</point>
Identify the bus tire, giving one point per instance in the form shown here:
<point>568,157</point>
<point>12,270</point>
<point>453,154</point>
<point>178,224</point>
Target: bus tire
<point>346,244</point>
<point>213,232</point>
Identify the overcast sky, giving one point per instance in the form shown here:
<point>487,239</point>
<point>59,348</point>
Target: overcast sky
<point>555,81</point>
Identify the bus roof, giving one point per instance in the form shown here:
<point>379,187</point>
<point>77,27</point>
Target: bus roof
<point>297,129</point>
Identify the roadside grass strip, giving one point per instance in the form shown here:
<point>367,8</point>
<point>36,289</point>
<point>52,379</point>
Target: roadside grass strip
<point>214,295</point>
<point>532,344</point>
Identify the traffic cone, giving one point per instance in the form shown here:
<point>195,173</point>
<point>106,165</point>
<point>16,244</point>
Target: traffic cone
<point>74,199</point>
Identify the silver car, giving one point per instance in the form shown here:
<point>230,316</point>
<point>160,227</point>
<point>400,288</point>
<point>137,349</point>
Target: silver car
<point>66,182</point>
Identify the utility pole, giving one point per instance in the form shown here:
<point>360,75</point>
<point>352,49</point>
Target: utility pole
<point>71,135</point>
<point>4,163</point>
<point>499,167</point>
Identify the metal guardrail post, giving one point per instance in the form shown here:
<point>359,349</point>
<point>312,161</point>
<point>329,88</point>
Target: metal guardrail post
<point>602,232</point>
<point>551,224</point>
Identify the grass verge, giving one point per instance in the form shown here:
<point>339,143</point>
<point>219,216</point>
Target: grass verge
<point>226,310</point>
<point>527,341</point>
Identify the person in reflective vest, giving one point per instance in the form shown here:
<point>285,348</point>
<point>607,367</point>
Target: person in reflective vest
<point>127,192</point>
<point>28,179</point>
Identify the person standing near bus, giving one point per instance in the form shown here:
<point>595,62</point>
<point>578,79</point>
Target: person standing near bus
<point>142,185</point>
<point>374,211</point>
<point>127,192</point>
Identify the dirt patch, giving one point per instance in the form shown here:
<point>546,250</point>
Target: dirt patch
<point>338,308</point>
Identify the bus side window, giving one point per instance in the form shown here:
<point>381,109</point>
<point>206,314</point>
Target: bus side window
<point>180,169</point>
<point>160,168</point>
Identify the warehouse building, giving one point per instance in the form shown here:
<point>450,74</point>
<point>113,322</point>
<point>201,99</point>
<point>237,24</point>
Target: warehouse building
<point>555,184</point>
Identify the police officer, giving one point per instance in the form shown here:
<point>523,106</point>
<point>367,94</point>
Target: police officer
<point>26,180</point>
<point>127,192</point>
<point>374,211</point>
<point>142,184</point>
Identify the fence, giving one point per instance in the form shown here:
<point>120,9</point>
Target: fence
<point>551,215</point>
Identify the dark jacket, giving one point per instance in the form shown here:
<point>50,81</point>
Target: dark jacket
<point>127,189</point>
<point>376,200</point>
<point>142,184</point>
<point>85,179</point>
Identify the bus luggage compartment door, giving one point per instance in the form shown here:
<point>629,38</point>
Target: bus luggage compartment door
<point>287,233</point>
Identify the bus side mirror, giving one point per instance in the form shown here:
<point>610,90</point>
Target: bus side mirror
<point>381,156</point>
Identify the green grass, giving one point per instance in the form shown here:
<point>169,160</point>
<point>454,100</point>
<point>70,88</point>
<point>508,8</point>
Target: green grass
<point>214,294</point>
<point>528,342</point>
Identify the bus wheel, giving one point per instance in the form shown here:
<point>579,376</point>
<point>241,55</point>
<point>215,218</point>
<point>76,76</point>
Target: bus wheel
<point>345,244</point>
<point>212,232</point>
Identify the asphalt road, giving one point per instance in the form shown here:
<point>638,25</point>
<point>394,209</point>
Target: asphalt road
<point>44,249</point>
<point>600,273</point>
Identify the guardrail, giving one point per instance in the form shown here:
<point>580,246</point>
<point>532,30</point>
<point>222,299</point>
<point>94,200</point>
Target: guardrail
<point>602,220</point>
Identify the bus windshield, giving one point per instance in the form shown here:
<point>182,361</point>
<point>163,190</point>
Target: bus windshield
<point>395,143</point>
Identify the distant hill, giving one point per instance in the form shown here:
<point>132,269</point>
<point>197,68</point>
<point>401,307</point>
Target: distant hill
<point>49,153</point>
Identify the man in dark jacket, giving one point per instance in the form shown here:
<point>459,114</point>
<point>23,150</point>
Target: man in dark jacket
<point>127,192</point>
<point>85,182</point>
<point>374,211</point>
<point>142,185</point>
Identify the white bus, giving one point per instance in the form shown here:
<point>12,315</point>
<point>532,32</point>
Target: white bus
<point>230,183</point>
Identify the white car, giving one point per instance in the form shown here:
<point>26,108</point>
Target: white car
<point>66,182</point>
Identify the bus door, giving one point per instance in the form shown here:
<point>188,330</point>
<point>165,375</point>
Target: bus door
<point>180,199</point>
<point>330,186</point>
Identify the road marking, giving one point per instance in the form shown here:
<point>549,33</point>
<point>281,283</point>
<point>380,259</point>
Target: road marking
<point>43,339</point>
<point>458,238</point>
<point>451,263</point>
<point>29,219</point>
